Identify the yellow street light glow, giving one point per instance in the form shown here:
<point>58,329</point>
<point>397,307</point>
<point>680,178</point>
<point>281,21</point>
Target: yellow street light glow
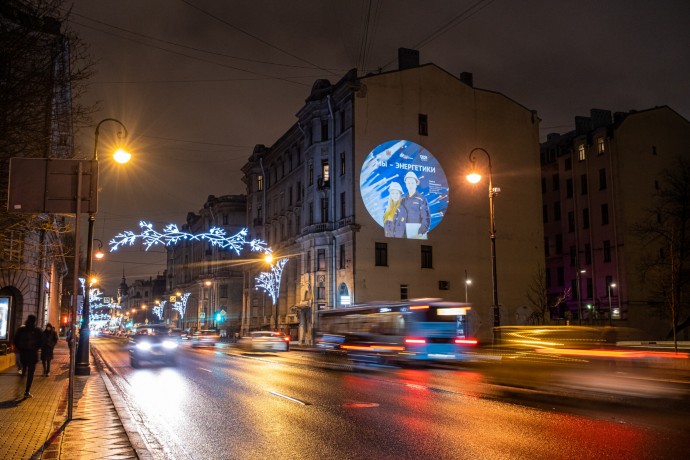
<point>122,156</point>
<point>474,178</point>
<point>94,280</point>
<point>268,258</point>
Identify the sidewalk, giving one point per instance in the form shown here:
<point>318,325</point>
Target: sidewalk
<point>37,428</point>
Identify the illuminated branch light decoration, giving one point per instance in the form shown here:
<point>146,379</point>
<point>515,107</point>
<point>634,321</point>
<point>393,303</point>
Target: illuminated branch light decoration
<point>172,235</point>
<point>181,305</point>
<point>158,309</point>
<point>95,295</point>
<point>270,281</point>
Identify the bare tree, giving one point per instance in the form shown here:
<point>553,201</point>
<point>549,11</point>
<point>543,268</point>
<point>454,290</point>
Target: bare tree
<point>665,234</point>
<point>538,296</point>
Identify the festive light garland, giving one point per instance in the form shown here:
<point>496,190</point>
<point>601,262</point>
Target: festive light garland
<point>269,281</point>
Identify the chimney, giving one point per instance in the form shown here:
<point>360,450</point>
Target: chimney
<point>407,58</point>
<point>467,78</point>
<point>600,118</point>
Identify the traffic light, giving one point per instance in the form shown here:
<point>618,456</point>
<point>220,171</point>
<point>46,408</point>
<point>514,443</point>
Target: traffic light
<point>65,319</point>
<point>219,317</point>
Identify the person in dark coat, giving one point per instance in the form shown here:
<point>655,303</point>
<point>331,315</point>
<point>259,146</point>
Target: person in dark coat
<point>28,340</point>
<point>50,339</point>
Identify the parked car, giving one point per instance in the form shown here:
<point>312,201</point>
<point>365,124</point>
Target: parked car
<point>266,341</point>
<point>205,338</point>
<point>152,343</point>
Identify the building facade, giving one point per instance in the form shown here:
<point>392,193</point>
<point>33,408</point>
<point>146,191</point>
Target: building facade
<point>598,185</point>
<point>366,196</point>
<point>211,276</point>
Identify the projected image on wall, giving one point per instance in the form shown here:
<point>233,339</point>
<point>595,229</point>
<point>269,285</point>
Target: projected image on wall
<point>404,189</point>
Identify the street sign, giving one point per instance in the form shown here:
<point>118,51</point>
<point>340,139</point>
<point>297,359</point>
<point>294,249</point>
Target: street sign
<point>202,315</point>
<point>49,185</point>
<point>173,299</point>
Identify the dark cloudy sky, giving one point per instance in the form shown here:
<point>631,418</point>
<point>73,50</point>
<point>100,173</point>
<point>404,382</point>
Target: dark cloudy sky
<point>198,83</point>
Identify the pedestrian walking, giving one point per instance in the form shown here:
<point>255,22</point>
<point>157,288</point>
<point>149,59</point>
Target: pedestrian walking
<point>50,339</point>
<point>28,341</point>
<point>69,338</point>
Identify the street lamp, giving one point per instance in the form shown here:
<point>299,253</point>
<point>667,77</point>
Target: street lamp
<point>99,254</point>
<point>474,178</point>
<point>467,283</point>
<point>81,366</point>
<point>611,285</point>
<point>579,294</point>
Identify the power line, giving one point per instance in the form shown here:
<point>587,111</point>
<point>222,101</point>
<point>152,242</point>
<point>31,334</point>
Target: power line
<point>261,40</point>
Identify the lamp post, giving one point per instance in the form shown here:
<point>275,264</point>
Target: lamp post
<point>99,254</point>
<point>474,178</point>
<point>467,284</point>
<point>579,294</point>
<point>81,366</point>
<point>611,285</point>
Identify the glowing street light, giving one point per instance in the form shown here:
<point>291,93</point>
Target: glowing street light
<point>610,286</point>
<point>474,177</point>
<point>82,364</point>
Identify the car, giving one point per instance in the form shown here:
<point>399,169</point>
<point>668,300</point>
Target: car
<point>266,341</point>
<point>205,338</point>
<point>152,343</point>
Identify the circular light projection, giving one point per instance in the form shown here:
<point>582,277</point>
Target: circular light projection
<point>404,189</point>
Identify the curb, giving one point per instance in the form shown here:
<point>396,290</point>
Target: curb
<point>128,423</point>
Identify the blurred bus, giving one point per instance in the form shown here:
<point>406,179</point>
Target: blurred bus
<point>389,332</point>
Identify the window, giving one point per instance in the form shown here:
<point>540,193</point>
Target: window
<point>300,191</point>
<point>548,277</point>
<point>557,211</point>
<point>225,219</point>
<point>259,215</point>
<point>423,125</point>
<point>308,267</point>
<point>571,221</point>
<point>290,196</point>
<point>583,184</point>
<point>585,218</point>
<point>545,213</point>
<point>324,130</point>
<point>556,183</point>
<point>568,164</point>
<point>342,256</point>
<point>342,163</point>
<point>381,255</point>
<point>581,152</point>
<point>324,209</point>
<point>223,291</point>
<point>601,146</point>
<point>573,256</point>
<point>569,188</point>
<point>602,179</point>
<point>325,175</point>
<point>259,183</point>
<point>609,280</point>
<point>589,288</point>
<point>543,185</point>
<point>403,292</point>
<point>311,213</point>
<point>427,261</point>
<point>320,292</point>
<point>321,259</point>
<point>604,214</point>
<point>560,279</point>
<point>310,173</point>
<point>607,251</point>
<point>342,205</point>
<point>546,247</point>
<point>559,244</point>
<point>588,254</point>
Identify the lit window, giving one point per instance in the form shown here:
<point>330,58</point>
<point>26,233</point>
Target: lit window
<point>601,146</point>
<point>581,152</point>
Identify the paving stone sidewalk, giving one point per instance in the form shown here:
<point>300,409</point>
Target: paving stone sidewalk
<point>37,428</point>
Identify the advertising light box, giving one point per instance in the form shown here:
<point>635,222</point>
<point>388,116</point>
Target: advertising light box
<point>404,189</point>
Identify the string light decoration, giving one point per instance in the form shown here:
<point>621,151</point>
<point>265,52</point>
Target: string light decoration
<point>270,281</point>
<point>158,309</point>
<point>172,235</point>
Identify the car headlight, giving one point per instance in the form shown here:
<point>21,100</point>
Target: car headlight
<point>169,344</point>
<point>144,346</point>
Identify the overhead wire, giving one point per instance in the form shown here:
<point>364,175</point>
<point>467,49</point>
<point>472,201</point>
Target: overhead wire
<point>464,15</point>
<point>255,37</point>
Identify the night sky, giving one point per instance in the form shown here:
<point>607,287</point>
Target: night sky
<point>198,83</point>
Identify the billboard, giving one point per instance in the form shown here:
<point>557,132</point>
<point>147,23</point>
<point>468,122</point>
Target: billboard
<point>404,188</point>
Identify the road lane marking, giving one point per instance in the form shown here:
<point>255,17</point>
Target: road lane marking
<point>289,398</point>
<point>207,370</point>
